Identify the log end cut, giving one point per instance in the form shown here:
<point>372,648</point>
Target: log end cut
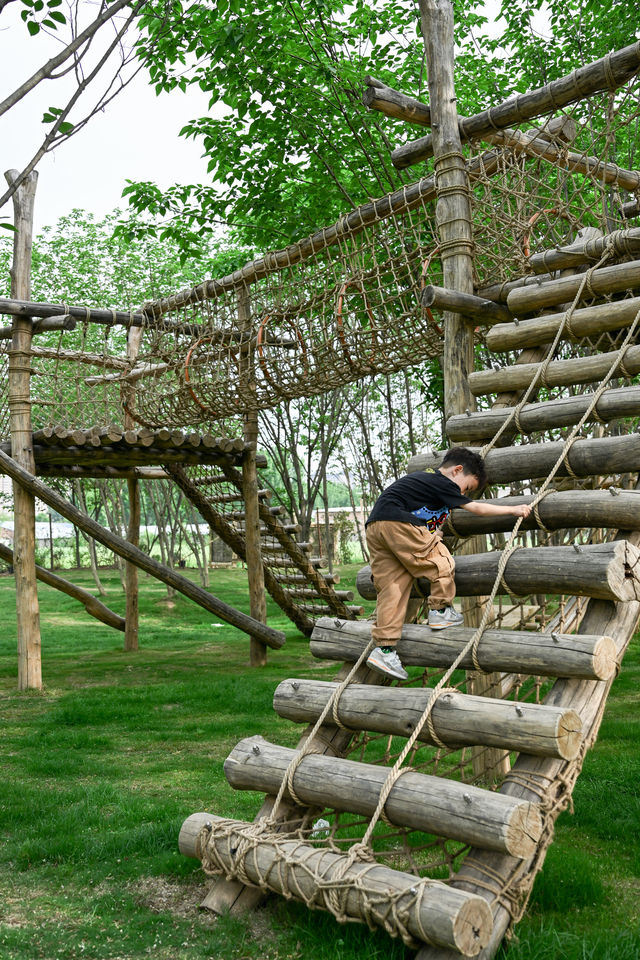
<point>523,830</point>
<point>472,927</point>
<point>569,735</point>
<point>605,659</point>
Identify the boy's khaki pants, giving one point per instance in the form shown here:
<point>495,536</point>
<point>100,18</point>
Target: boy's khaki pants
<point>401,552</point>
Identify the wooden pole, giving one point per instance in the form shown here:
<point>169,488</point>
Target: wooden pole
<point>250,485</point>
<point>134,337</point>
<point>91,604</point>
<point>453,215</point>
<point>28,613</point>
<point>131,570</point>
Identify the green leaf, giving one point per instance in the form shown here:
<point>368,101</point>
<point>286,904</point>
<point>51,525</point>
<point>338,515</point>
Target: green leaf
<point>33,27</point>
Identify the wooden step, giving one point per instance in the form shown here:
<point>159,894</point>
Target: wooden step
<point>586,322</point>
<point>583,656</point>
<point>450,918</point>
<point>606,571</point>
<point>459,720</point>
<point>612,508</point>
<point>606,280</point>
<point>420,801</point>
<point>533,417</point>
<point>591,457</point>
<point>559,372</point>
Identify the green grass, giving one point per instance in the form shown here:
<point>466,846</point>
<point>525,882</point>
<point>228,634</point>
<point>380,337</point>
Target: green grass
<point>101,768</point>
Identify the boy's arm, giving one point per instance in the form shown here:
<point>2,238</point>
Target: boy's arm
<point>482,508</point>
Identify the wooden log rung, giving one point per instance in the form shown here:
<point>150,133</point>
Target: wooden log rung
<point>454,920</point>
<point>590,457</point>
<point>607,571</point>
<point>459,720</point>
<point>447,808</point>
<point>589,657</point>
<point>534,417</point>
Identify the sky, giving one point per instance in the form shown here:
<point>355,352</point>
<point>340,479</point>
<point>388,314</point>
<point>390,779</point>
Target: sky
<point>135,138</point>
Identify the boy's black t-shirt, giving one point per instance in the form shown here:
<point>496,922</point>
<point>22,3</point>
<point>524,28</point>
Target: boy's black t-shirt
<point>423,499</point>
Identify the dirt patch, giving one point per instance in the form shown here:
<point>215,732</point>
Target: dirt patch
<point>169,896</point>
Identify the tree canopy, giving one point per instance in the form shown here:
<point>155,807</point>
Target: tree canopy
<point>290,146</point>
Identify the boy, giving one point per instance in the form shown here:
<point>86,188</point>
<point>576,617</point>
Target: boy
<point>404,540</point>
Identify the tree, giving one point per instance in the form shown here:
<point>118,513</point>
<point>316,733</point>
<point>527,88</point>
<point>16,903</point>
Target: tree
<point>296,148</point>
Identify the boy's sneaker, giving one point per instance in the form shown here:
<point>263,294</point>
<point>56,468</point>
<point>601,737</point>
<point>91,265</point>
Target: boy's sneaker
<point>385,660</point>
<point>439,619</point>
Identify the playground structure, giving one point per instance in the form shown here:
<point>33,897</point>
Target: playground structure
<point>521,254</point>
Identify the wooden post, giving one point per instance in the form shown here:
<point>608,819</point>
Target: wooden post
<point>255,570</point>
<point>131,570</point>
<point>28,613</point>
<point>134,337</point>
<point>453,215</point>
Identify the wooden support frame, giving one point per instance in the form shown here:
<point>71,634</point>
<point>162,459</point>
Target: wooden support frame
<point>273,638</point>
<point>604,74</point>
<point>453,213</point>
<point>24,546</point>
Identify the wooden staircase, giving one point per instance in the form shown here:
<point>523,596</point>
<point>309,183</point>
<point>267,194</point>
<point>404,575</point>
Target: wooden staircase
<point>293,577</point>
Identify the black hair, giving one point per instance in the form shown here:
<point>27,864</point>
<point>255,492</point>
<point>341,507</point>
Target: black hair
<point>471,463</point>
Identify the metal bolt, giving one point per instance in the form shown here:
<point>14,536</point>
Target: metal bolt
<point>295,684</point>
<point>467,798</point>
<point>555,638</point>
<point>255,749</point>
<point>519,711</point>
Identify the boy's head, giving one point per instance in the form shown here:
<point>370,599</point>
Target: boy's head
<point>472,464</point>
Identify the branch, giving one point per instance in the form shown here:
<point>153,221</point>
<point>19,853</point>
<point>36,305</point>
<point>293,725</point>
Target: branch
<point>47,70</point>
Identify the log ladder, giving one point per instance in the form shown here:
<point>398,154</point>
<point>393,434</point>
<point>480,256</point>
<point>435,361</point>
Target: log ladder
<point>443,800</point>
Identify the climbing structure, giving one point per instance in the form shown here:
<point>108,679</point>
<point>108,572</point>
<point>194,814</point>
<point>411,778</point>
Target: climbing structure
<point>426,810</point>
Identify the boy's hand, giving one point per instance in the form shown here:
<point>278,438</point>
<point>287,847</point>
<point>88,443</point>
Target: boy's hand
<point>522,510</point>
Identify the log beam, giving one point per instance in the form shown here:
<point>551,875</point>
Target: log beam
<point>420,801</point>
<point>459,922</point>
<point>587,458</point>
<point>606,280</point>
<point>483,311</point>
<point>608,571</point>
<point>559,373</point>
<point>459,720</point>
<point>586,322</point>
<point>546,415</point>
<point>591,657</point>
<point>614,509</point>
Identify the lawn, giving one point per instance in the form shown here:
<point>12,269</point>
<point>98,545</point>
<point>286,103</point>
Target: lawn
<point>102,767</point>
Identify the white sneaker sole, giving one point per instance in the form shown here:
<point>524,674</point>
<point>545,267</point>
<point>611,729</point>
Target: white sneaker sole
<point>385,670</point>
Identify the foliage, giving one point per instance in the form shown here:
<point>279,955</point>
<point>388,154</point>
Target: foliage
<point>289,144</point>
